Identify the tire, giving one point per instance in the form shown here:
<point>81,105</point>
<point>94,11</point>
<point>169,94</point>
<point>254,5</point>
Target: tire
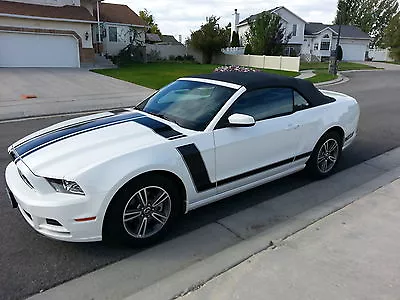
<point>142,212</point>
<point>323,163</point>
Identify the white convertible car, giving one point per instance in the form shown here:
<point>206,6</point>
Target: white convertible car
<point>126,175</point>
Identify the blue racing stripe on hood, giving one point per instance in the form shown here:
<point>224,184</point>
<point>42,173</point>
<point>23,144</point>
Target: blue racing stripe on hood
<point>51,137</point>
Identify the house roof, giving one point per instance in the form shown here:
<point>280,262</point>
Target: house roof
<point>252,18</point>
<point>46,11</point>
<point>152,37</point>
<point>347,31</point>
<point>170,40</point>
<point>118,13</point>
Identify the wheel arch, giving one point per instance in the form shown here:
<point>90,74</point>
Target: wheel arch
<point>164,173</point>
<point>338,129</point>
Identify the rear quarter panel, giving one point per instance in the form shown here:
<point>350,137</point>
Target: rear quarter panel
<point>316,121</point>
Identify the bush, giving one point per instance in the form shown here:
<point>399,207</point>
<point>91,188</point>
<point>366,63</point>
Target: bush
<point>189,57</point>
<point>395,54</point>
<point>171,57</point>
<point>153,56</point>
<point>130,54</point>
<point>247,49</point>
<point>339,53</point>
<point>179,58</point>
<point>235,40</point>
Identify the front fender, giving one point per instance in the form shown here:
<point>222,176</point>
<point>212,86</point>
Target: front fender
<point>108,177</point>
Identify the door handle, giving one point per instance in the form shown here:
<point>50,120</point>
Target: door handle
<point>292,126</point>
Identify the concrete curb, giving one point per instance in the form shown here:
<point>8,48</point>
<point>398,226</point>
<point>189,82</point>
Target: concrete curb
<point>197,275</point>
<point>341,79</point>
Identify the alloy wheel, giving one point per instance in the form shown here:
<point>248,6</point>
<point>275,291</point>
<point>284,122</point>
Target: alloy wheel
<point>327,155</point>
<point>146,212</point>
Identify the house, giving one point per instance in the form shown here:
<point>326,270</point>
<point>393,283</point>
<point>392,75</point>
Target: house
<point>152,38</point>
<point>313,41</point>
<point>63,33</point>
<point>320,39</point>
<point>169,40</point>
<point>46,33</point>
<point>119,26</point>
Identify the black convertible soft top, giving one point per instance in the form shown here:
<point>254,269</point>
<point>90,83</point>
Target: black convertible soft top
<point>258,80</point>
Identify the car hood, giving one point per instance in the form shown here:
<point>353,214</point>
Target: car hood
<point>70,147</point>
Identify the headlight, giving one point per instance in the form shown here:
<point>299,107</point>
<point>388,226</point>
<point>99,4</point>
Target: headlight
<point>65,186</point>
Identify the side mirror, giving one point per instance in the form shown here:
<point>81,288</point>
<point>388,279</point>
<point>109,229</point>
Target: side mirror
<point>240,120</point>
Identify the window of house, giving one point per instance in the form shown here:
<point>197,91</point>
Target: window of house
<point>299,102</point>
<point>326,36</point>
<point>264,103</point>
<point>294,31</point>
<point>112,34</point>
<point>325,45</point>
<point>315,46</point>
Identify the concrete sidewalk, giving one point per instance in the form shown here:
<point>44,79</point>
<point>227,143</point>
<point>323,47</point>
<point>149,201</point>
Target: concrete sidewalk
<point>382,65</point>
<point>351,254</point>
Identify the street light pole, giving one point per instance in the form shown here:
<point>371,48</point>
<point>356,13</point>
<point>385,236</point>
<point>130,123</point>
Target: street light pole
<point>98,26</point>
<point>335,69</point>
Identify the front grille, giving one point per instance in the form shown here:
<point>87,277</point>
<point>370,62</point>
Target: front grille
<point>53,222</point>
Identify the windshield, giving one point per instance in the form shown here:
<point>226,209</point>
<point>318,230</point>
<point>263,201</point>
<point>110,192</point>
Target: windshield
<point>189,104</point>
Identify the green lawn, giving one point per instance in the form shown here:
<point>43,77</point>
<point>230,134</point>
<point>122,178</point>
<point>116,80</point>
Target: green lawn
<point>321,75</point>
<point>343,66</point>
<point>157,75</point>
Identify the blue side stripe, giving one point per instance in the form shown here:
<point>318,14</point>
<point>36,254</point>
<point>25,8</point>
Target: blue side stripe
<point>54,136</point>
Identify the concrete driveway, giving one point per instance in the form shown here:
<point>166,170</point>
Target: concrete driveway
<point>62,90</point>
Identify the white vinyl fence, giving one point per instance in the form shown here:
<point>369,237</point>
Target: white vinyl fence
<point>165,51</point>
<point>379,54</point>
<point>284,63</point>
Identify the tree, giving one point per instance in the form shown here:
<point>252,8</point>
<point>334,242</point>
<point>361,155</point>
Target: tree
<point>392,37</point>
<point>266,35</point>
<point>210,38</point>
<point>371,16</point>
<point>235,40</point>
<point>149,19</point>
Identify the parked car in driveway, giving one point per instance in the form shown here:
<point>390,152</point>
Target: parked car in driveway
<point>128,174</point>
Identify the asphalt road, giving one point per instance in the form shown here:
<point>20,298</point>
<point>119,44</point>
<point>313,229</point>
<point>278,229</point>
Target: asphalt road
<point>30,263</point>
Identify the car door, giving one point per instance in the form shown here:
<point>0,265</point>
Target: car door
<point>247,154</point>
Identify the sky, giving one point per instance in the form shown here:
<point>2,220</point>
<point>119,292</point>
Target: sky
<point>180,17</point>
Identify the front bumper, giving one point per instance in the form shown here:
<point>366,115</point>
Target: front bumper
<point>54,214</point>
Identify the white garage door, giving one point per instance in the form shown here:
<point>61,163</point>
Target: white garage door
<point>353,52</point>
<point>38,50</point>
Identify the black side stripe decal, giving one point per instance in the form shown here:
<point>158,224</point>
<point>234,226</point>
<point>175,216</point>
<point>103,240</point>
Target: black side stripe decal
<point>304,155</point>
<point>197,169</point>
<point>263,169</point>
<point>160,128</point>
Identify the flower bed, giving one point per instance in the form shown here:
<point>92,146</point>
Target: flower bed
<point>235,69</point>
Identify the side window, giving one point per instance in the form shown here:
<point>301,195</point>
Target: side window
<point>264,103</point>
<point>299,102</point>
